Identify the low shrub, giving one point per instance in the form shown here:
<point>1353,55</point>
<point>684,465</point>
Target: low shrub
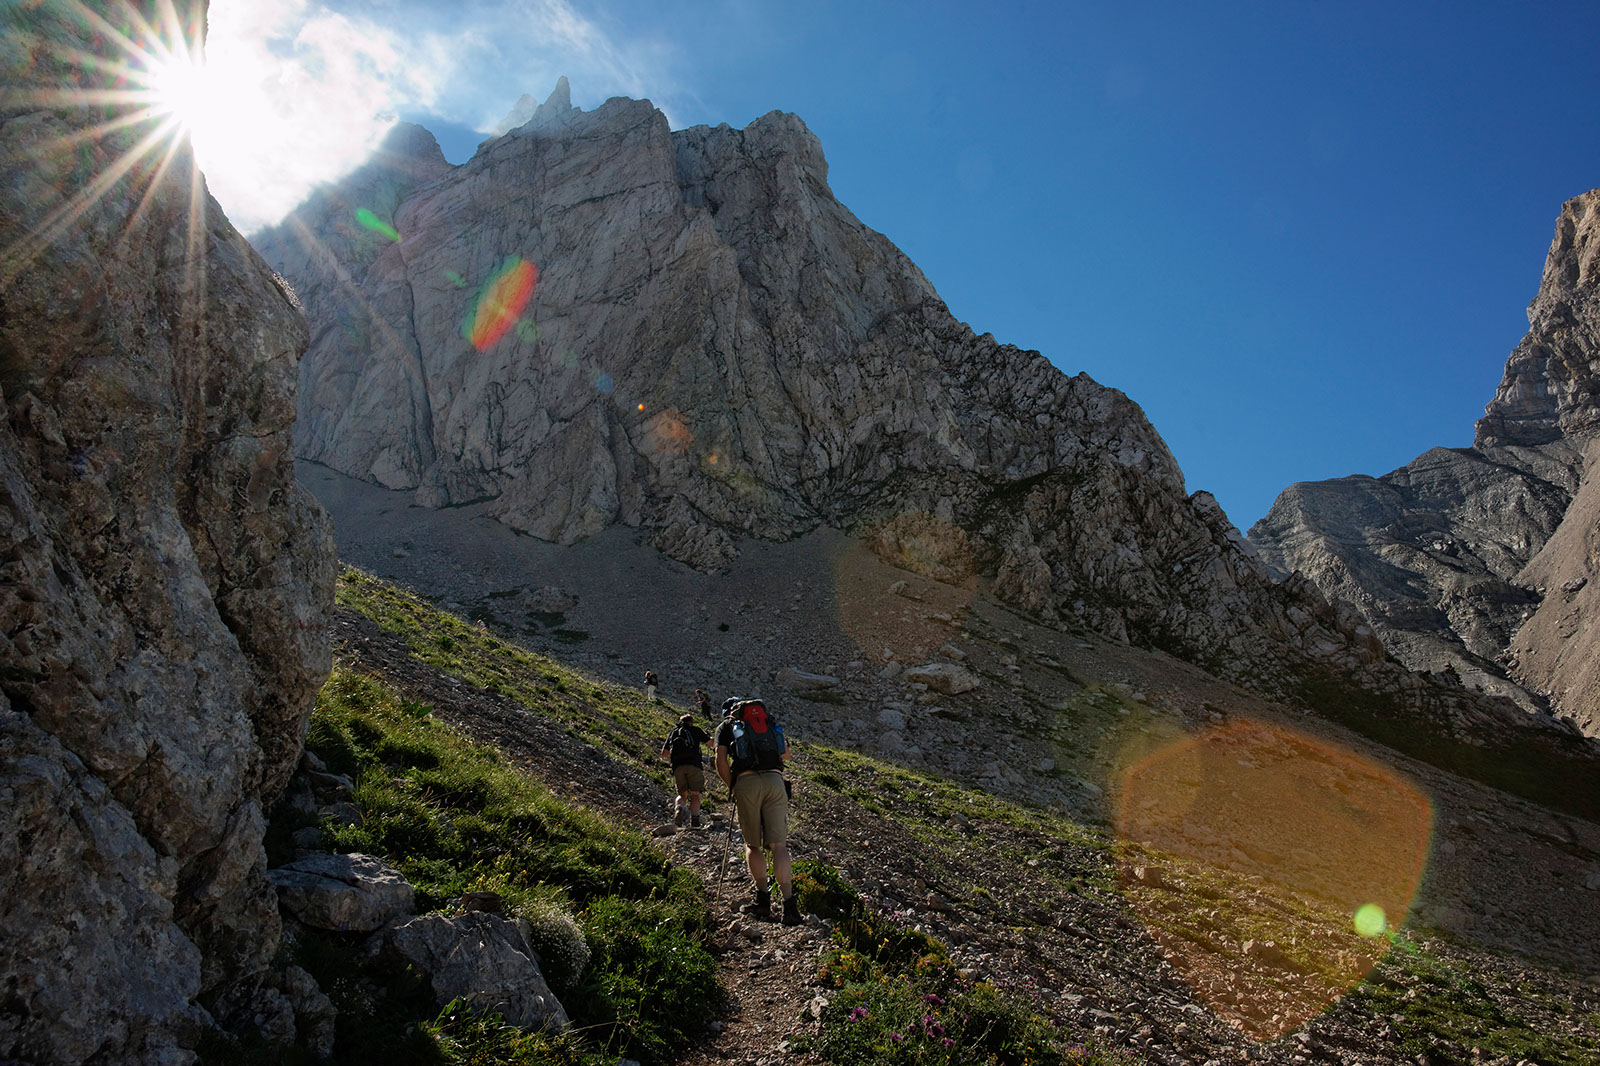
<point>898,1000</point>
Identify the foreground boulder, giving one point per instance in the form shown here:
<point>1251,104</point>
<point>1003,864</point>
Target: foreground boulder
<point>345,893</point>
<point>165,585</point>
<point>484,959</point>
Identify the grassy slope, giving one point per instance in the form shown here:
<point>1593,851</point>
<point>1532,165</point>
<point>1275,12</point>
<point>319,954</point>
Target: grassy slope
<point>1423,992</point>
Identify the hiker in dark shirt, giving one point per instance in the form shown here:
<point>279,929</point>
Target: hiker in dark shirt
<point>682,746</point>
<point>702,701</point>
<point>649,684</point>
<point>753,771</point>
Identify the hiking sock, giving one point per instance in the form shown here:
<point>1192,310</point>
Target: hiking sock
<point>677,813</point>
<point>791,912</point>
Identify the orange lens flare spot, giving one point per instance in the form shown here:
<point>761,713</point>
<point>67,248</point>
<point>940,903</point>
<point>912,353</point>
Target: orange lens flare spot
<point>667,436</point>
<point>500,302</point>
<point>1287,854</point>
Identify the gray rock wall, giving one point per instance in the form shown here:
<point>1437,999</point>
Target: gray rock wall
<point>1457,558</point>
<point>164,585</point>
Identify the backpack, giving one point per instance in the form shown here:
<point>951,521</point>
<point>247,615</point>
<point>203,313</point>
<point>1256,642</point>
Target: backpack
<point>758,738</point>
<point>684,745</point>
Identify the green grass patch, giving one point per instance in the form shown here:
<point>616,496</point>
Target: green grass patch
<point>1439,1006</point>
<point>897,999</point>
<point>622,931</point>
<point>615,718</point>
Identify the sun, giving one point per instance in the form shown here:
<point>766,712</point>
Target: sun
<point>178,87</point>
<point>206,104</point>
<point>125,100</point>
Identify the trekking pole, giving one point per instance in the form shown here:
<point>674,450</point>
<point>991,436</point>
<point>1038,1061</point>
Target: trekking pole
<point>727,845</point>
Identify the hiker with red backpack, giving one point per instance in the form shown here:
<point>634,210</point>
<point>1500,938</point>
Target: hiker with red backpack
<point>751,752</point>
<point>682,746</point>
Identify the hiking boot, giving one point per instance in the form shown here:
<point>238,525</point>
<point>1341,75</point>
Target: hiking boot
<point>677,816</point>
<point>760,908</point>
<point>694,820</point>
<point>791,912</point>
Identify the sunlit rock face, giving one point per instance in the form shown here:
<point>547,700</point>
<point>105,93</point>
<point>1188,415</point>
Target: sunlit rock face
<point>165,583</point>
<point>716,347</point>
<point>1481,559</point>
<point>713,347</point>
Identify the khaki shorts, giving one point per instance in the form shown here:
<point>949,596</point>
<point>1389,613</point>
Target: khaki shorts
<point>763,808</point>
<point>690,778</point>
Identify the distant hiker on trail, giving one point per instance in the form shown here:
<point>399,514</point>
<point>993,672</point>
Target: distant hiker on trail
<point>649,684</point>
<point>750,755</point>
<point>688,769</point>
<point>702,701</point>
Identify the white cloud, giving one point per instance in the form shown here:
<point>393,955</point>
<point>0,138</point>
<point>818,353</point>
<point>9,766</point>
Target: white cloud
<point>301,91</point>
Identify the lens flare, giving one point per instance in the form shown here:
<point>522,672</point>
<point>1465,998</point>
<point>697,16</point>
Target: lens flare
<point>1370,921</point>
<point>1266,862</point>
<point>666,436</point>
<point>376,224</point>
<point>500,302</point>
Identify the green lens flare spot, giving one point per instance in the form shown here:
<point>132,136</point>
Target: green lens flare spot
<point>376,224</point>
<point>1370,921</point>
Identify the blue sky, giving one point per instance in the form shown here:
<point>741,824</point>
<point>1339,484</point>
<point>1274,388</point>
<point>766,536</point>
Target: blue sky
<point>1300,234</point>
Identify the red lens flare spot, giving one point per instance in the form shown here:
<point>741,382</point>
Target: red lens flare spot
<point>500,302</point>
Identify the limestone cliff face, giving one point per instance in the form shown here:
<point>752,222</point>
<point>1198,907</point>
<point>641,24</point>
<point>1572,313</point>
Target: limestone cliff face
<point>1479,559</point>
<point>163,585</point>
<point>715,347</point>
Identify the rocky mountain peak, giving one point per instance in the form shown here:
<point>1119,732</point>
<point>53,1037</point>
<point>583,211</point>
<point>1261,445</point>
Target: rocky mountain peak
<point>529,113</point>
<point>1551,387</point>
<point>1482,560</point>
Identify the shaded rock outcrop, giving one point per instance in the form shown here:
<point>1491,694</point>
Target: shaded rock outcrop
<point>164,584</point>
<point>1477,560</point>
<point>483,959</point>
<point>599,321</point>
<point>346,893</point>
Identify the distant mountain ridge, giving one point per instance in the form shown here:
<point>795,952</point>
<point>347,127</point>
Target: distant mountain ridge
<point>1482,560</point>
<point>715,348</point>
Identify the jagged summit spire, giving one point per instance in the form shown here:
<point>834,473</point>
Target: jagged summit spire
<point>560,97</point>
<point>529,112</point>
